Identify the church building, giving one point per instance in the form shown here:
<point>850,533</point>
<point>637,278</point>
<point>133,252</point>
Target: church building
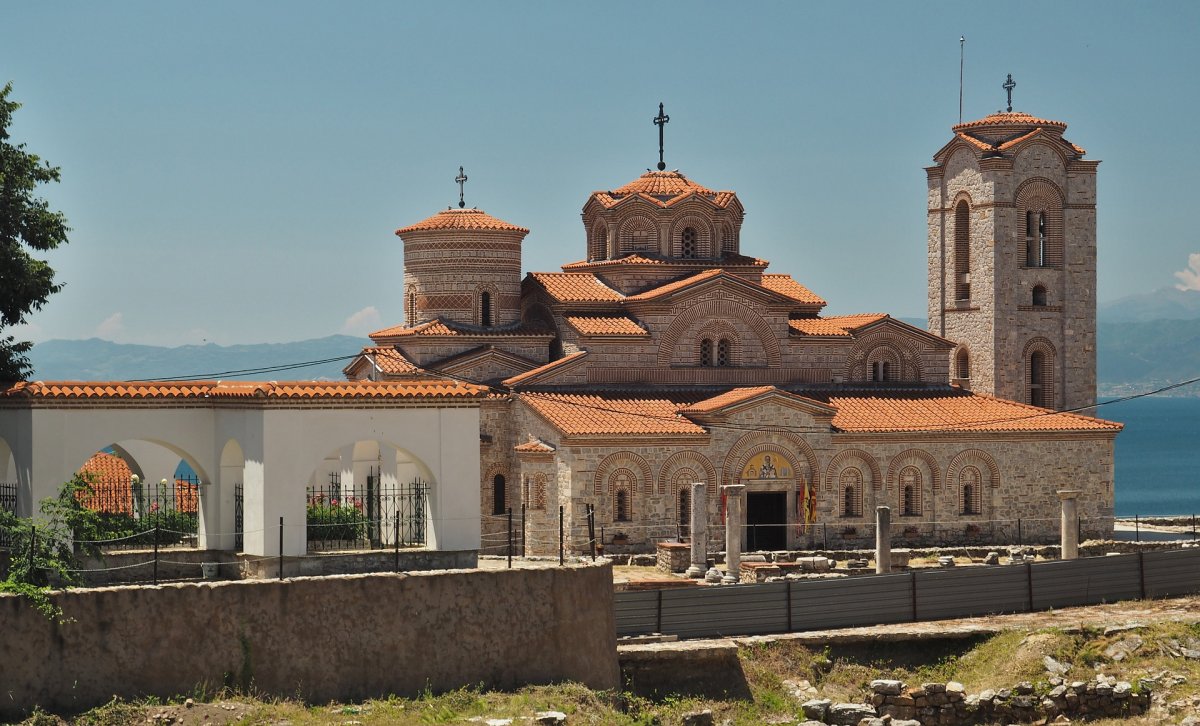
<point>669,355</point>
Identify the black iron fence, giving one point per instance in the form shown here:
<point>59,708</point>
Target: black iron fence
<point>132,514</point>
<point>373,515</point>
<point>239,517</point>
<point>8,503</point>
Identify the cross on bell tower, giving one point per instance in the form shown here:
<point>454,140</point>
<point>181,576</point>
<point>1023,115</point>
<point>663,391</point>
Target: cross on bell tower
<point>1008,86</point>
<point>461,179</point>
<point>660,121</point>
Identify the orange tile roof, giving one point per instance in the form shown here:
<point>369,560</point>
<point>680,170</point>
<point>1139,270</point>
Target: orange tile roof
<point>716,403</point>
<point>591,415</point>
<point>662,183</point>
<point>166,390</point>
<point>464,219</point>
<point>1014,118</point>
<point>786,285</point>
<point>534,446</point>
<point>390,361</point>
<point>663,188</point>
<point>835,325</point>
<point>111,482</point>
<point>600,325</point>
<point>911,411</point>
<point>670,287</point>
<point>576,287</point>
<point>523,377</point>
<point>439,327</point>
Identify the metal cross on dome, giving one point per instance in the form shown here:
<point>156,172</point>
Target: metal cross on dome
<point>461,179</point>
<point>660,121</point>
<point>1008,86</point>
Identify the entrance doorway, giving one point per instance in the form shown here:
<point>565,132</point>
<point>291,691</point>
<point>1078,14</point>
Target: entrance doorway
<point>766,521</point>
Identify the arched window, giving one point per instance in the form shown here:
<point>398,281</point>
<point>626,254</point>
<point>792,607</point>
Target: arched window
<point>962,251</point>
<point>723,352</point>
<point>850,482</point>
<point>687,243</point>
<point>1039,296</point>
<point>622,488</point>
<point>1036,243</point>
<point>728,241</point>
<point>880,370</point>
<point>970,490</point>
<point>706,352</point>
<point>962,364</point>
<point>485,309</point>
<point>910,491</point>
<point>412,309</point>
<point>498,502</point>
<point>598,250</point>
<point>1037,378</point>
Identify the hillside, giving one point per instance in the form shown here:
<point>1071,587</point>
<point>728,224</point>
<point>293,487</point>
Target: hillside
<point>96,359</point>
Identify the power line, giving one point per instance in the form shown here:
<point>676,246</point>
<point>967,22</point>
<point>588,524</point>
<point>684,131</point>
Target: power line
<point>677,417</point>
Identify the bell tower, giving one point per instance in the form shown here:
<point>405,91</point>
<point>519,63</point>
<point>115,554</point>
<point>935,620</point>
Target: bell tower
<point>1012,260</point>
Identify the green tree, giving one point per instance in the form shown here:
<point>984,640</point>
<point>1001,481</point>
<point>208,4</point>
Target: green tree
<point>26,221</point>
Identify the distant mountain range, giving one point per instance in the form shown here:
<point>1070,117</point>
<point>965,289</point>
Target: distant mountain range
<point>1144,342</point>
<point>100,360</point>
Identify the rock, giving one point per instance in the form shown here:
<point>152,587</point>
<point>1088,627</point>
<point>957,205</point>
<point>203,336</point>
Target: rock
<point>905,722</point>
<point>1122,690</point>
<point>1054,667</point>
<point>549,718</point>
<point>1024,688</point>
<point>946,561</point>
<point>955,687</point>
<point>1110,630</point>
<point>698,718</point>
<point>498,722</point>
<point>992,558</point>
<point>1123,648</point>
<point>887,687</point>
<point>849,714</point>
<point>817,709</point>
<point>801,690</point>
<point>713,575</point>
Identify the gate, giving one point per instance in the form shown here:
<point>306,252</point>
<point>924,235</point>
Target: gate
<point>373,515</point>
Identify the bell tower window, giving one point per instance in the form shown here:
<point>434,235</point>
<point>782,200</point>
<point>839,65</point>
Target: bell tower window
<point>1039,296</point>
<point>962,251</point>
<point>962,364</point>
<point>1037,378</point>
<point>1036,244</point>
<point>687,243</point>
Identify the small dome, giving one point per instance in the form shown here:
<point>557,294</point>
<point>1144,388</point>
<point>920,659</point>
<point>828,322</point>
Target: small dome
<point>1010,120</point>
<point>462,219</point>
<point>661,184</point>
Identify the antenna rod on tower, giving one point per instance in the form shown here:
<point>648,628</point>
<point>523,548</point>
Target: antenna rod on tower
<point>962,42</point>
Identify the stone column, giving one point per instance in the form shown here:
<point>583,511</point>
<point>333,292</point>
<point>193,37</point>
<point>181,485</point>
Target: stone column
<point>1069,525</point>
<point>883,540</point>
<point>735,517</point>
<point>699,527</point>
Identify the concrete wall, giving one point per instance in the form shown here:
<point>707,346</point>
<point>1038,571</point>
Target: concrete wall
<point>345,637</point>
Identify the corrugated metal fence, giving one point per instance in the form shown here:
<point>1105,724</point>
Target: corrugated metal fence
<point>783,607</point>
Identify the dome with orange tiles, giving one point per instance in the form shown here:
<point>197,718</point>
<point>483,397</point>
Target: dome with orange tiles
<point>1012,120</point>
<point>663,187</point>
<point>462,219</point>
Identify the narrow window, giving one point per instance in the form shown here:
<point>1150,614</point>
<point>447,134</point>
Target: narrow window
<point>412,309</point>
<point>971,482</point>
<point>498,503</point>
<point>851,482</point>
<point>1039,296</point>
<point>485,309</point>
<point>685,508</point>
<point>706,352</point>
<point>969,499</point>
<point>723,352</point>
<point>910,491</point>
<point>910,501</point>
<point>622,505</point>
<point>962,364</point>
<point>687,244</point>
<point>1037,383</point>
<point>962,251</point>
<point>1041,248</point>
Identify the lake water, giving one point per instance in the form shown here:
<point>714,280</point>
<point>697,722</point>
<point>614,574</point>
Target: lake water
<point>1157,456</point>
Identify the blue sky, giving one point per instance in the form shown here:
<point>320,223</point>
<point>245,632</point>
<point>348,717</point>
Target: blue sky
<point>233,172</point>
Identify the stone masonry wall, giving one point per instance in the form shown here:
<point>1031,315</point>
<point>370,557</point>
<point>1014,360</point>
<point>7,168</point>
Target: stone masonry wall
<point>391,633</point>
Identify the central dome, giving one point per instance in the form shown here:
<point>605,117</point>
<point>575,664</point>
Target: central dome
<point>666,184</point>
